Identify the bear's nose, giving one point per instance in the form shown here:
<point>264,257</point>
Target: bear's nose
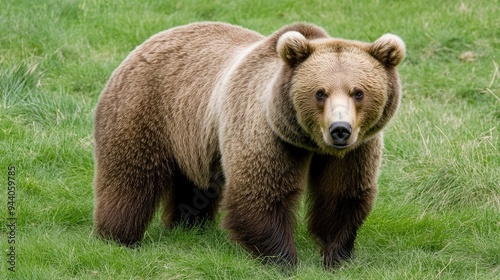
<point>340,132</point>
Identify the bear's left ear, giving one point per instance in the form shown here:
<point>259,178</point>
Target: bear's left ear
<point>293,48</point>
<point>388,49</point>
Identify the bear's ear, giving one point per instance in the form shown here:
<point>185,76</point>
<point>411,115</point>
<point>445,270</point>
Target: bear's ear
<point>388,49</point>
<point>293,48</point>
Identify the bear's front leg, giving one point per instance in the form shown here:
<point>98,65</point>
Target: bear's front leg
<point>342,193</point>
<point>262,193</point>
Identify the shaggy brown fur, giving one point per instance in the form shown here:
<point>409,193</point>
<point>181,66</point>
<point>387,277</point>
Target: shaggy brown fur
<point>209,108</point>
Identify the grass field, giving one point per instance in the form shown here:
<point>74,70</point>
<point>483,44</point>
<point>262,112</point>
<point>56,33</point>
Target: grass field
<point>438,211</point>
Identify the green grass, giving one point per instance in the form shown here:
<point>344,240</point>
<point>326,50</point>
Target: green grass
<point>438,211</point>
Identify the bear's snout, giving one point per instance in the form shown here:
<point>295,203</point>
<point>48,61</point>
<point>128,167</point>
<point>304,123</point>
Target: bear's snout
<point>340,132</point>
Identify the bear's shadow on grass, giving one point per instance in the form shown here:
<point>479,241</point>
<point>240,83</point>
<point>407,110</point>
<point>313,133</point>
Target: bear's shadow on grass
<point>159,233</point>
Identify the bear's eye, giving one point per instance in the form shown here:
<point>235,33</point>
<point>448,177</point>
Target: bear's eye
<point>358,94</point>
<point>320,95</point>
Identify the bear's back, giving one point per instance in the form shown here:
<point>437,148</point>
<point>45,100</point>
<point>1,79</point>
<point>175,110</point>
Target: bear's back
<point>181,69</point>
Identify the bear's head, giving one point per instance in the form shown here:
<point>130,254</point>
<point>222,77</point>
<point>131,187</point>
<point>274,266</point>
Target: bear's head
<point>342,92</point>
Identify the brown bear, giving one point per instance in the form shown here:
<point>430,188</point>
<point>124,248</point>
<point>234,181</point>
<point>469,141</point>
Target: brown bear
<point>211,113</point>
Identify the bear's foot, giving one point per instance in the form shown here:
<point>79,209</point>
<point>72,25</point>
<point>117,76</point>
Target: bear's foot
<point>334,257</point>
<point>269,238</point>
<point>131,240</point>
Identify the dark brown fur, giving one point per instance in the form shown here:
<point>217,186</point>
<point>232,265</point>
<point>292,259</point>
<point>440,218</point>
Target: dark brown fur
<point>211,110</point>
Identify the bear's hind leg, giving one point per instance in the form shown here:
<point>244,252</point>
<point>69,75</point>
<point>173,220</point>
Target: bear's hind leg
<point>188,205</point>
<point>125,205</point>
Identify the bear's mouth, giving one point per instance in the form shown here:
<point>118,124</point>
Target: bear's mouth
<point>341,146</point>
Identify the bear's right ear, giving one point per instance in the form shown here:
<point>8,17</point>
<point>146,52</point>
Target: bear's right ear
<point>293,48</point>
